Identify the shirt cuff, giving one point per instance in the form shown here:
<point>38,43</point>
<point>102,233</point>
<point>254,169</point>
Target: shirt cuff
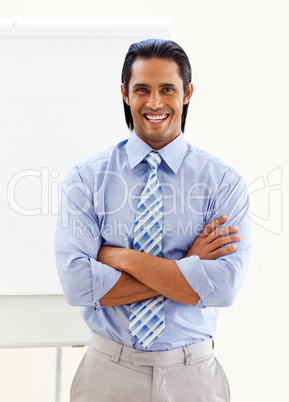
<point>104,278</point>
<point>194,273</point>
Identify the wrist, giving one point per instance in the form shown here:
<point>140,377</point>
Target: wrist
<point>125,260</point>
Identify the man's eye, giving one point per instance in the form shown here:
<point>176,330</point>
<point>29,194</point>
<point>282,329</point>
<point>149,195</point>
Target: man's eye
<point>141,90</point>
<point>168,89</point>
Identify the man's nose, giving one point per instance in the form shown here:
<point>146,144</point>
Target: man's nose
<point>154,101</point>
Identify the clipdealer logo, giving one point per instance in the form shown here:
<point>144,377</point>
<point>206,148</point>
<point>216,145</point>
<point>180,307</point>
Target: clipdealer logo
<point>48,190</point>
<point>265,195</point>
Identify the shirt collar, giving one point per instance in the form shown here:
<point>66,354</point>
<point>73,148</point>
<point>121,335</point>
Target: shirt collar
<point>173,153</point>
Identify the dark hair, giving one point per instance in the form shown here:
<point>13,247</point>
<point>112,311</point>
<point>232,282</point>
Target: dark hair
<point>161,49</point>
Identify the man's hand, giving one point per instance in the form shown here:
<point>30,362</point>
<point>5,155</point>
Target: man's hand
<point>207,245</point>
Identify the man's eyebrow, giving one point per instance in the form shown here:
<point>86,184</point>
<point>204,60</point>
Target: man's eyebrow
<point>139,84</point>
<point>165,84</point>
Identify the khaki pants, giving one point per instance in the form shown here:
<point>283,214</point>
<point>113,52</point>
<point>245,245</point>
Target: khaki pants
<point>111,372</point>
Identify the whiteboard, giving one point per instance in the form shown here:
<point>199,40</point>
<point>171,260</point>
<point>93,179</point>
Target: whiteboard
<point>60,102</point>
<point>42,321</point>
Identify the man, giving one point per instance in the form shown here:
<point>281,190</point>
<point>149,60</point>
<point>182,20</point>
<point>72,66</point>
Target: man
<point>142,247</point>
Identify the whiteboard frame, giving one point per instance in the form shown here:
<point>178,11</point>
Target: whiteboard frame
<point>90,27</point>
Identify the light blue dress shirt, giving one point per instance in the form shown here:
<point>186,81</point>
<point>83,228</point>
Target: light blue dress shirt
<point>98,206</point>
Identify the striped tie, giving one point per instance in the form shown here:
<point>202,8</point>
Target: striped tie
<point>146,320</point>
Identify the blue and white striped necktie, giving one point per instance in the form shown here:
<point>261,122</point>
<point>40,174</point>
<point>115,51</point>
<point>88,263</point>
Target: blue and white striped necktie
<point>146,320</point>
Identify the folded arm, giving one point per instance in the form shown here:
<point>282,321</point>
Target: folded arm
<point>218,281</point>
<point>160,275</point>
<point>127,290</point>
<point>213,269</point>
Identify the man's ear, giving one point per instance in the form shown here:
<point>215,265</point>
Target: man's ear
<point>189,93</point>
<point>124,94</point>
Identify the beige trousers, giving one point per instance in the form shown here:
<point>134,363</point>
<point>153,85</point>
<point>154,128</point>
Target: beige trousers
<point>111,372</point>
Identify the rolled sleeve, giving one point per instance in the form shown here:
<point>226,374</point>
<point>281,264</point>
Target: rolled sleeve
<point>77,241</point>
<point>101,286</point>
<point>218,282</point>
<point>195,275</point>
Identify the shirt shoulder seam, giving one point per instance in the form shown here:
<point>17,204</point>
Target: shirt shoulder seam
<point>223,164</point>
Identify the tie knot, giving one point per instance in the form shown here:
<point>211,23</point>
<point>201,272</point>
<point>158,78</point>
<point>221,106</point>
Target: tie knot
<point>153,159</point>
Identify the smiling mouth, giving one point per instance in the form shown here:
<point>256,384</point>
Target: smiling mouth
<point>157,118</point>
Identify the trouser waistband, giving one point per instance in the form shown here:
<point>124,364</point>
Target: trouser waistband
<point>117,351</point>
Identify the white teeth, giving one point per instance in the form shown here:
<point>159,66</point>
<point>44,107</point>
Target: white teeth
<point>156,117</point>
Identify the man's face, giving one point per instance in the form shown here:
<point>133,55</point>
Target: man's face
<point>156,98</point>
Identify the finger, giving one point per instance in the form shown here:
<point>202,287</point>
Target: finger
<point>211,226</point>
<point>223,231</point>
<point>222,241</point>
<point>220,252</point>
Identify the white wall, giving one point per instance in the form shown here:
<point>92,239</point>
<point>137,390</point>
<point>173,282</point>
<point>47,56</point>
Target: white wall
<point>239,54</point>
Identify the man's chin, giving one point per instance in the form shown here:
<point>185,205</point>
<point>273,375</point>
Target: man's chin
<point>156,139</point>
